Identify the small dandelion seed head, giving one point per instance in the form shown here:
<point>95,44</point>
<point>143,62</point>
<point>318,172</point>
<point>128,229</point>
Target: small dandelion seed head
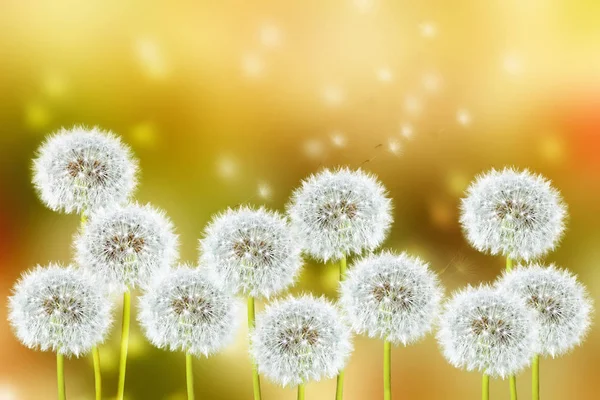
<point>392,297</point>
<point>513,213</point>
<point>127,245</point>
<point>65,310</point>
<point>80,169</point>
<point>253,251</point>
<point>487,330</point>
<point>560,303</point>
<point>339,212</point>
<point>184,309</point>
<point>299,340</point>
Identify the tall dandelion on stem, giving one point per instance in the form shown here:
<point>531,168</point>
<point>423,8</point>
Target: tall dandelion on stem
<point>253,253</point>
<point>65,310</point>
<point>126,245</point>
<point>336,213</point>
<point>185,310</point>
<point>392,297</point>
<point>561,306</point>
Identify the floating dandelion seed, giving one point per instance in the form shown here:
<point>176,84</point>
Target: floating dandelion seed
<point>339,212</point>
<point>394,146</point>
<point>489,331</point>
<point>314,148</point>
<point>65,310</point>
<point>227,167</point>
<point>333,95</point>
<point>127,245</point>
<point>513,213</point>
<point>384,74</point>
<point>80,169</point>
<point>184,310</point>
<point>298,340</point>
<point>407,131</point>
<point>253,251</point>
<point>393,297</point>
<point>431,82</point>
<point>264,191</point>
<point>413,104</point>
<point>560,303</point>
<point>151,58</point>
<point>270,35</point>
<point>428,29</point>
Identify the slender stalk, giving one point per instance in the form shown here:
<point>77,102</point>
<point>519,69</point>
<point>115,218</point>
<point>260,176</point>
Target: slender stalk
<point>251,323</point>
<point>509,264</point>
<point>97,375</point>
<point>60,376</point>
<point>189,376</point>
<point>387,370</point>
<point>485,387</point>
<point>513,387</point>
<point>339,389</point>
<point>535,378</point>
<point>124,343</point>
<point>301,391</point>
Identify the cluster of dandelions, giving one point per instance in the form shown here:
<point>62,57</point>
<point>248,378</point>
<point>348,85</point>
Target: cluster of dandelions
<point>257,253</point>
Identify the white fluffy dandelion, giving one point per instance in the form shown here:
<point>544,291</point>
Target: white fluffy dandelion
<point>513,213</point>
<point>391,297</point>
<point>185,310</point>
<point>127,245</point>
<point>80,169</point>
<point>252,251</point>
<point>339,212</point>
<point>560,303</point>
<point>299,340</point>
<point>65,310</point>
<point>489,331</point>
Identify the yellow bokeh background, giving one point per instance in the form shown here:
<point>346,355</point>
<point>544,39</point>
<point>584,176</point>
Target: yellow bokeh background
<point>230,102</point>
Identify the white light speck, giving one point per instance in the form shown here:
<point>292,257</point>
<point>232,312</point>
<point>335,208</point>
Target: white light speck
<point>407,131</point>
<point>463,117</point>
<point>333,95</point>
<point>432,82</point>
<point>151,58</point>
<point>365,5</point>
<point>252,65</point>
<point>338,139</point>
<point>314,148</point>
<point>264,191</point>
<point>512,64</point>
<point>227,167</point>
<point>413,105</point>
<point>394,147</point>
<point>7,392</point>
<point>270,36</point>
<point>428,29</point>
<point>384,74</point>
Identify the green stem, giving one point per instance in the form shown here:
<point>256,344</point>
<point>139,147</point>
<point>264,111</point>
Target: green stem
<point>189,376</point>
<point>60,376</point>
<point>339,389</point>
<point>485,387</point>
<point>124,343</point>
<point>535,378</point>
<point>97,375</point>
<point>513,387</point>
<point>251,324</point>
<point>387,370</point>
<point>301,391</point>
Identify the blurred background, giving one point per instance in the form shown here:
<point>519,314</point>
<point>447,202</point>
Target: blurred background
<point>235,102</point>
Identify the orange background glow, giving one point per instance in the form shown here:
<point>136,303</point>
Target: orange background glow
<point>229,102</point>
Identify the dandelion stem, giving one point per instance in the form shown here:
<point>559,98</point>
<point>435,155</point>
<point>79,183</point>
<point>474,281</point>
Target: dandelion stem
<point>124,343</point>
<point>189,376</point>
<point>339,390</point>
<point>535,378</point>
<point>97,375</point>
<point>301,391</point>
<point>485,387</point>
<point>387,370</point>
<point>251,323</point>
<point>60,376</point>
<point>513,387</point>
<point>512,379</point>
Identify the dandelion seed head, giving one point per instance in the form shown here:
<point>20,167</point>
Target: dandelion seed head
<point>394,297</point>
<point>560,303</point>
<point>127,245</point>
<point>65,310</point>
<point>299,340</point>
<point>184,309</point>
<point>252,251</point>
<point>339,212</point>
<point>514,213</point>
<point>81,169</point>
<point>489,331</point>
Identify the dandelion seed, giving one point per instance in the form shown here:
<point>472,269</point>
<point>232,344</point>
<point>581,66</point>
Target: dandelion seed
<point>431,82</point>
<point>413,104</point>
<point>253,65</point>
<point>333,95</point>
<point>314,148</point>
<point>394,147</point>
<point>463,117</point>
<point>264,191</point>
<point>227,167</point>
<point>270,35</point>
<point>407,131</point>
<point>338,139</point>
<point>384,74</point>
<point>428,29</point>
